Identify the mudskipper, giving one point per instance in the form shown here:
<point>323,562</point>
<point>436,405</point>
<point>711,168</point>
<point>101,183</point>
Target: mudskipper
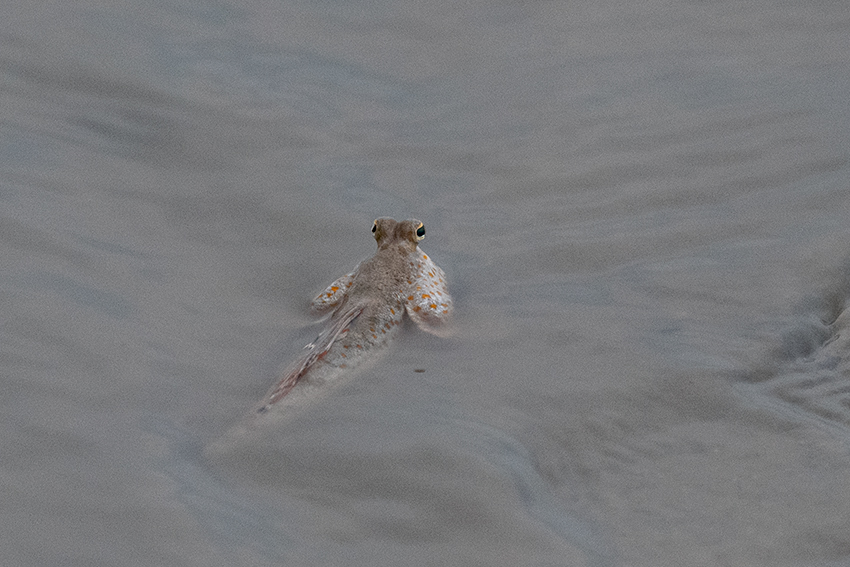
<point>367,306</point>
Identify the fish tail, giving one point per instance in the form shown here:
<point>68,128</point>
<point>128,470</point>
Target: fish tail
<point>318,349</point>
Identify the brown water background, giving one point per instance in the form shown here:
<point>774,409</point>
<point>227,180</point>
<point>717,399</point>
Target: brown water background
<point>643,209</point>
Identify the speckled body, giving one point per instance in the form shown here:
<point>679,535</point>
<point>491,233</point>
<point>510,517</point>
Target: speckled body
<point>367,307</point>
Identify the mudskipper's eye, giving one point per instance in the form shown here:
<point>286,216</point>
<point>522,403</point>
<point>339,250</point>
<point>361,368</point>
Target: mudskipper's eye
<point>374,226</point>
<point>420,232</point>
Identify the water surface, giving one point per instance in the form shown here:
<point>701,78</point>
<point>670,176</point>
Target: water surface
<point>642,209</point>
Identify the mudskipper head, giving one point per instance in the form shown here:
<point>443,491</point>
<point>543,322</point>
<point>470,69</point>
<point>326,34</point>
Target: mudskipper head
<point>407,232</point>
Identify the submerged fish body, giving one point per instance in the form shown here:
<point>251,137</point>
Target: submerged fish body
<point>367,306</point>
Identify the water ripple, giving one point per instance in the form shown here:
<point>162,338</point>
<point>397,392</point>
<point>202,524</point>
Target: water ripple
<point>809,378</point>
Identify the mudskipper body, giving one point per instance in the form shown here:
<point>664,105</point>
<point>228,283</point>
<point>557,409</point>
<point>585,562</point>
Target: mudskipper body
<point>367,306</point>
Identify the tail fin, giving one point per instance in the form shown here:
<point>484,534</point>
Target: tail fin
<point>317,350</point>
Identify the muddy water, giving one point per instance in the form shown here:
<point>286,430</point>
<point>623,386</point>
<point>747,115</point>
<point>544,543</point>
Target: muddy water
<point>642,211</point>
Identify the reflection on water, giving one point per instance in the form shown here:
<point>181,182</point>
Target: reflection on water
<point>642,211</point>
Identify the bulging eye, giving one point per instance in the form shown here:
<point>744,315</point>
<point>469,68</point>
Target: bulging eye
<point>420,232</point>
<point>374,226</point>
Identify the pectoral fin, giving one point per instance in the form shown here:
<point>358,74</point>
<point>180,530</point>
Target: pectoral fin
<point>428,302</point>
<point>333,294</point>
